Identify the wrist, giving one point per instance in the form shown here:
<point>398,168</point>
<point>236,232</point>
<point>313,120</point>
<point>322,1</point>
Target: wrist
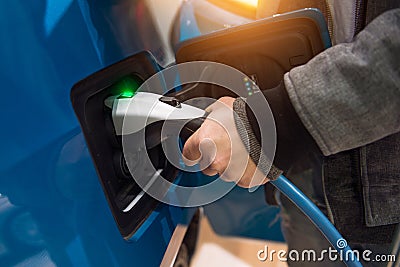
<point>251,142</point>
<point>293,139</point>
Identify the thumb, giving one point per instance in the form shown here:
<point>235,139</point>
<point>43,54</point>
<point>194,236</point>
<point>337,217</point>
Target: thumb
<point>191,152</point>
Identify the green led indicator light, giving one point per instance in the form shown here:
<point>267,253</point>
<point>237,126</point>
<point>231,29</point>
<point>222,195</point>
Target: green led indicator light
<point>127,94</point>
<point>127,87</point>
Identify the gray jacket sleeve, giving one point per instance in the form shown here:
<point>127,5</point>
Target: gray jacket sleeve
<point>349,95</point>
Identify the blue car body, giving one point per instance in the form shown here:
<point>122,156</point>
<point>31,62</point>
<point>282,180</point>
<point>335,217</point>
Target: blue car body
<point>52,208</point>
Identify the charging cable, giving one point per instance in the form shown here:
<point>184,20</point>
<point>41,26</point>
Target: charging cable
<point>318,218</point>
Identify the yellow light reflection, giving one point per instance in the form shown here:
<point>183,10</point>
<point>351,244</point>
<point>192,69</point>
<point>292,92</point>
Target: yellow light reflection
<point>253,3</point>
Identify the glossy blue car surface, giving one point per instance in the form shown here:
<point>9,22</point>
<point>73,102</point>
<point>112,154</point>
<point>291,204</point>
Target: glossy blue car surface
<point>52,208</point>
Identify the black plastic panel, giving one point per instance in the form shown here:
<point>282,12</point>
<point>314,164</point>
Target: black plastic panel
<point>264,50</point>
<point>87,98</point>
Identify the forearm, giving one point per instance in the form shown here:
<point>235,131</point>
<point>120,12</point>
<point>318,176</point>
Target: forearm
<point>349,95</point>
<point>346,97</point>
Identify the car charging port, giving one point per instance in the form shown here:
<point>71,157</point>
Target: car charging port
<point>88,97</point>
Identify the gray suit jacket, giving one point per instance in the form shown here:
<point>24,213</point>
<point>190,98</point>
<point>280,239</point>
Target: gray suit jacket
<point>348,99</point>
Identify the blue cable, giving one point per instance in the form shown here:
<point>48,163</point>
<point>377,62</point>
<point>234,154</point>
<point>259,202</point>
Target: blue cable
<point>319,219</point>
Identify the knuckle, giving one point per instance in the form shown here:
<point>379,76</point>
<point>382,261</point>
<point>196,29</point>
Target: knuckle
<point>225,98</point>
<point>218,164</point>
<point>243,182</point>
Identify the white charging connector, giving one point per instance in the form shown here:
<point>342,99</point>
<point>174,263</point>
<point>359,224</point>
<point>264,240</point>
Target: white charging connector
<point>131,115</point>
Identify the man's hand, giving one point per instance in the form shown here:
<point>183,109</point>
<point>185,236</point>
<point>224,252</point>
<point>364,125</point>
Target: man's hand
<point>218,149</point>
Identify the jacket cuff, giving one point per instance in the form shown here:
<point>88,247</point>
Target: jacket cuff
<point>250,141</point>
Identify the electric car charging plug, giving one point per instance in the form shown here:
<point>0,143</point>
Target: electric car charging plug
<point>134,114</point>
